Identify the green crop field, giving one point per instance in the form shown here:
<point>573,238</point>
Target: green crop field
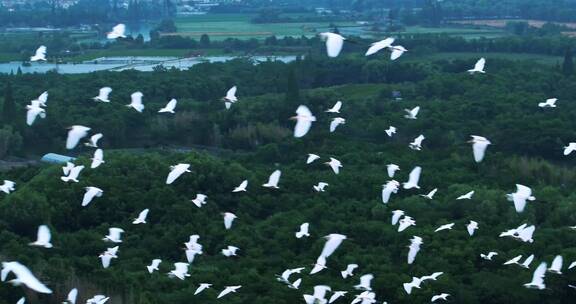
<point>239,26</point>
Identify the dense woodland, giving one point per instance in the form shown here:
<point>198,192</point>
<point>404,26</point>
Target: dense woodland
<point>254,138</point>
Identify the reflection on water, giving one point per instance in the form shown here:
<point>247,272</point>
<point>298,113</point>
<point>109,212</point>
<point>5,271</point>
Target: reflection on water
<point>140,63</point>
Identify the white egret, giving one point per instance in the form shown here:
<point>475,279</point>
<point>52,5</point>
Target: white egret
<point>93,142</point>
<point>333,241</point>
<point>414,247</point>
<point>397,51</point>
<point>176,171</point>
<point>97,159</point>
<point>311,158</point>
<point>336,108</point>
<point>107,256</point>
<point>73,174</point>
<point>571,147</point>
<point>520,197</point>
<point>466,196</point>
<point>303,232</point>
<point>228,219</point>
<point>199,200</point>
<point>241,187</point>
<point>538,278</point>
<point>74,135</point>
<point>33,112</point>
<point>23,277</point>
<point>489,256</point>
<point>391,169</point>
<point>170,107</point>
<point>273,180</point>
<point>550,103</point>
<point>442,296</point>
<point>417,143</point>
<point>405,222</point>
<point>471,227</point>
<point>136,102</point>
<point>478,67</point>
<point>412,114</point>
<point>413,178</point>
<point>154,266</point>
<point>365,282</point>
<point>320,187</point>
<point>336,295</point>
<point>230,97</point>
<point>90,194</point>
<point>119,31</point>
<point>103,95</point>
<point>379,45</point>
<point>180,271</point>
<point>40,54</point>
<point>334,43</point>
<point>430,194</point>
<point>396,214</point>
<point>141,219</point>
<point>304,119</point>
<point>556,266</point>
<point>445,227</point>
<point>415,283</point>
<point>228,289</point>
<point>349,271</point>
<point>202,287</point>
<point>334,164</point>
<point>72,296</point>
<point>8,186</point>
<point>230,251</point>
<point>336,122</point>
<point>390,131</point>
<point>479,145</point>
<point>114,235</point>
<point>43,237</point>
<point>389,188</point>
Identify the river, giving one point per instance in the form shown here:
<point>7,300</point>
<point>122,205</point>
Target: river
<point>139,63</point>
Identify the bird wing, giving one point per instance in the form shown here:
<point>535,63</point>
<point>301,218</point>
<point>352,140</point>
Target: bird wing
<point>72,295</point>
<point>31,114</point>
<point>479,148</point>
<point>387,192</point>
<point>274,178</point>
<point>539,273</point>
<point>333,124</point>
<point>44,235</point>
<point>396,53</point>
<point>557,263</point>
<point>28,279</point>
<point>41,51</point>
<point>523,191</point>
<point>231,94</point>
<point>334,44</point>
<point>479,66</point>
<point>174,174</point>
<point>74,136</point>
<point>331,245</point>
<point>380,45</point>
<point>43,98</point>
<point>519,202</point>
<point>91,192</point>
<point>104,93</point>
<point>414,176</point>
<point>413,252</point>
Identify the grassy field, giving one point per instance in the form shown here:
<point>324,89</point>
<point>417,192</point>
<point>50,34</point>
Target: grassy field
<point>542,59</point>
<point>220,27</point>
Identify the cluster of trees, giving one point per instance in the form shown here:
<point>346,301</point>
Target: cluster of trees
<point>501,105</point>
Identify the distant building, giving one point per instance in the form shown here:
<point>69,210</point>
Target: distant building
<point>397,95</point>
<point>53,158</point>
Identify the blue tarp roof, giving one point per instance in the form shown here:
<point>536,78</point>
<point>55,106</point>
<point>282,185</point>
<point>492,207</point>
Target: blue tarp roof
<point>56,158</point>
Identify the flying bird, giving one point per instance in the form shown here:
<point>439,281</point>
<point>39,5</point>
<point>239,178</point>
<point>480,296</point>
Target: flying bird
<point>478,67</point>
<point>412,114</point>
<point>379,45</point>
<point>273,180</point>
<point>442,296</point>
<point>336,295</point>
<point>334,43</point>
<point>136,102</point>
<point>430,194</point>
<point>556,266</point>
<point>117,32</point>
<point>23,277</point>
<point>389,188</point>
<point>103,94</point>
<point>228,219</point>
<point>230,251</point>
<point>199,200</point>
<point>489,256</point>
<point>336,108</point>
<point>43,237</point>
<point>479,145</point>
<point>390,131</point>
<point>336,122</point>
<point>396,215</point>
<point>304,119</point>
<point>176,171</point>
<point>413,178</point>
<point>170,106</point>
<point>154,266</point>
<point>141,219</point>
<point>90,194</point>
<point>97,159</point>
<point>72,295</point>
<point>334,164</point>
<point>180,271</point>
<point>397,51</point>
<point>445,227</point>
<point>391,169</point>
<point>417,143</point>
<point>319,265</point>
<point>414,247</point>
<point>320,187</point>
<point>303,232</point>
<point>311,158</point>
<point>241,187</point>
<point>202,287</point>
<point>33,112</point>
<point>520,197</point>
<point>471,227</point>
<point>73,174</point>
<point>365,282</point>
<point>405,222</point>
<point>40,54</point>
<point>571,147</point>
<point>550,103</point>
<point>74,135</point>
<point>349,271</point>
<point>93,142</point>
<point>538,278</point>
<point>228,290</point>
<point>107,256</point>
<point>333,241</point>
<point>8,186</point>
<point>114,235</point>
<point>466,196</point>
<point>230,97</point>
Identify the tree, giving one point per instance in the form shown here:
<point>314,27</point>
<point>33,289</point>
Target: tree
<point>292,96</point>
<point>8,106</point>
<point>205,41</point>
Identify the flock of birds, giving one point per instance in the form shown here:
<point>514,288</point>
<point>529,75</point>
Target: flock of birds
<point>304,120</point>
